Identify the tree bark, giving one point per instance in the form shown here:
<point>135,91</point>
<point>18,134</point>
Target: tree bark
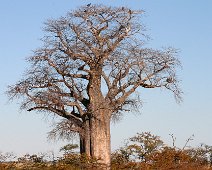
<point>85,139</point>
<point>100,140</point>
<point>95,142</point>
<point>99,121</point>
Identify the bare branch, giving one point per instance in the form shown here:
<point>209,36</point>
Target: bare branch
<point>71,116</point>
<point>65,130</point>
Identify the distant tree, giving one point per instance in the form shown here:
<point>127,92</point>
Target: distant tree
<point>141,147</point>
<point>90,64</point>
<point>69,148</point>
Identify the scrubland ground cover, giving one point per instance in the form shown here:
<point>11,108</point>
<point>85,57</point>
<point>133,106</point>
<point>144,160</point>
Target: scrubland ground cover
<point>144,151</point>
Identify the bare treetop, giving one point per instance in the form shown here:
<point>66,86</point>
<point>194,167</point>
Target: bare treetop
<point>95,38</point>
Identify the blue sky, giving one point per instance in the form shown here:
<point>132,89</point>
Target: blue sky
<point>185,25</point>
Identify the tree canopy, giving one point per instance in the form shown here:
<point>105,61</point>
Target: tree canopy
<point>91,62</point>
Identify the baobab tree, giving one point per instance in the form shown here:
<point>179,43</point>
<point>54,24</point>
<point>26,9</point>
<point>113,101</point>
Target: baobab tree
<point>91,62</point>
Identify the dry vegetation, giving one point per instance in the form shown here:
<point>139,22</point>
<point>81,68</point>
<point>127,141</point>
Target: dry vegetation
<point>143,151</point>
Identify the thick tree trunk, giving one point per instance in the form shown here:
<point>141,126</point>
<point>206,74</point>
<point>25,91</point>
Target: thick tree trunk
<point>100,140</point>
<point>99,121</point>
<point>95,142</point>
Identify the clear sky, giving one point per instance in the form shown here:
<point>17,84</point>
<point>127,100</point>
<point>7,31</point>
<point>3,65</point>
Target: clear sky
<point>185,25</point>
